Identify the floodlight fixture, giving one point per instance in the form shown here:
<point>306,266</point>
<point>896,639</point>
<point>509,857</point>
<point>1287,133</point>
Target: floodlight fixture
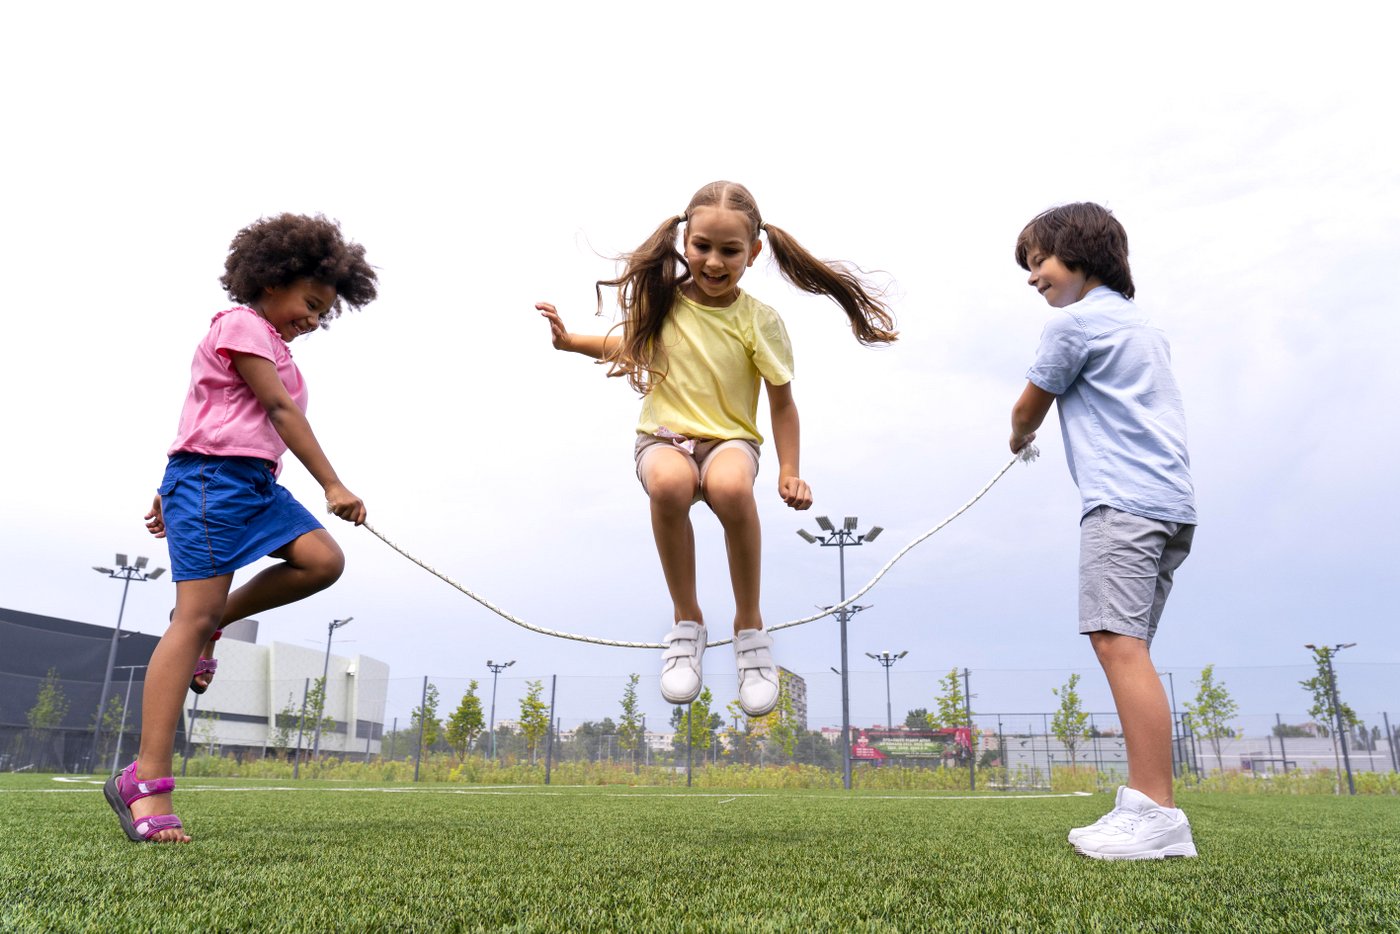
<point>825,524</point>
<point>874,533</point>
<point>808,537</point>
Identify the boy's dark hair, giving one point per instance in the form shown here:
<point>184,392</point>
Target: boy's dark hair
<point>1086,237</point>
<point>277,251</point>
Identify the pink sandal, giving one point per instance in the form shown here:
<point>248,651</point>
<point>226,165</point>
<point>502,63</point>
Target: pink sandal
<point>206,666</point>
<point>123,788</point>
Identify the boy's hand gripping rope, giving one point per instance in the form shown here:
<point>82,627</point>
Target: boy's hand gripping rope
<point>1027,454</point>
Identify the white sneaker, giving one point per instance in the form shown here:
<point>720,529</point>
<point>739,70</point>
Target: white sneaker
<point>758,673</point>
<point>1141,829</point>
<point>1078,832</point>
<point>681,675</point>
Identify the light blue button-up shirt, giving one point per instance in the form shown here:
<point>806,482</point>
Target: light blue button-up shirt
<point>1121,414</point>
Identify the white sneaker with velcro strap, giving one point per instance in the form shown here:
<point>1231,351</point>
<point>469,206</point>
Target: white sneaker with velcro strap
<point>758,673</point>
<point>681,675</point>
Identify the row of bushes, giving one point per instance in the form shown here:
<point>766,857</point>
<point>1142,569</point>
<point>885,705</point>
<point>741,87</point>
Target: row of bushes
<point>473,771</point>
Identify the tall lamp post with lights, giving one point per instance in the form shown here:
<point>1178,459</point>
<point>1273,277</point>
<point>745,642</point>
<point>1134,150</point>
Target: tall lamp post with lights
<point>325,688</point>
<point>496,669</point>
<point>126,573</point>
<point>887,659</point>
<point>1341,726</point>
<point>832,537</point>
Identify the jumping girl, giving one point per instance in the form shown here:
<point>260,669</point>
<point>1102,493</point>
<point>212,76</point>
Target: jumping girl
<point>696,347</point>
<point>219,505</point>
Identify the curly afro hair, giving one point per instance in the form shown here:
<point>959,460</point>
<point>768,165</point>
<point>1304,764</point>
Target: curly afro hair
<point>277,251</point>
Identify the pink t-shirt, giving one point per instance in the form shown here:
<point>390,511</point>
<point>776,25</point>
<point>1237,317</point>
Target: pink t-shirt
<point>221,414</point>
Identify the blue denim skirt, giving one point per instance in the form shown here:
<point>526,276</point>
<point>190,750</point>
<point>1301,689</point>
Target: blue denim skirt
<point>224,513</point>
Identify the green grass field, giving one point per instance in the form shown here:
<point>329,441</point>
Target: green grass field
<point>326,856</point>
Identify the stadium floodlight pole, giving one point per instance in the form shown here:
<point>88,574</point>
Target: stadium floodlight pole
<point>126,573</point>
<point>496,669</point>
<point>841,538</point>
<point>887,659</point>
<point>1337,705</point>
<point>325,688</point>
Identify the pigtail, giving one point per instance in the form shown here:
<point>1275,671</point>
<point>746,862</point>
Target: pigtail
<point>870,318</point>
<point>646,290</point>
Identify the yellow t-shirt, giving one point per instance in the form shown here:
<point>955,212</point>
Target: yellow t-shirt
<point>713,359</point>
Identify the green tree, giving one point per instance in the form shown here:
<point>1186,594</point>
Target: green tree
<point>916,719</point>
<point>284,724</point>
<point>1070,724</point>
<point>1323,690</point>
<point>466,722</point>
<point>111,726</point>
<point>951,708</point>
<point>629,728</point>
<point>316,709</point>
<point>425,718</point>
<point>1209,715</point>
<point>206,730</point>
<point>777,726</point>
<point>50,706</point>
<point>534,716</point>
<point>1287,730</point>
<point>706,721</point>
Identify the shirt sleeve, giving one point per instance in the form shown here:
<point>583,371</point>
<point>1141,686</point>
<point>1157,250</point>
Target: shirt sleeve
<point>772,350</point>
<point>1062,354</point>
<point>241,332</point>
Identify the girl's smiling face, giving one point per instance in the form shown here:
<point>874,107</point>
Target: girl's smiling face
<point>295,309</point>
<point>718,248</point>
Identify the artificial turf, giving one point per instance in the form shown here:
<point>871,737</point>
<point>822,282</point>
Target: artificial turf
<point>325,856</point>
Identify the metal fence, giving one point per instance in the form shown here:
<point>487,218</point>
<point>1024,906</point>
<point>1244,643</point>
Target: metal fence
<point>268,718</point>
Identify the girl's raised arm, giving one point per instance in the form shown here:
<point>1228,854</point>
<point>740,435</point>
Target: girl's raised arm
<point>261,376</point>
<point>596,346</point>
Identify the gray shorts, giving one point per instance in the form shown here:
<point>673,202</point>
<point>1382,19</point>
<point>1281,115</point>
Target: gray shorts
<point>699,453</point>
<point>1126,565</point>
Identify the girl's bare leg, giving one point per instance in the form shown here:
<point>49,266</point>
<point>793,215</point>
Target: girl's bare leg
<point>670,484</point>
<point>199,605</point>
<point>310,563</point>
<point>729,491</point>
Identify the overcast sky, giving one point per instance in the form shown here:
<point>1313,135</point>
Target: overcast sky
<point>490,157</point>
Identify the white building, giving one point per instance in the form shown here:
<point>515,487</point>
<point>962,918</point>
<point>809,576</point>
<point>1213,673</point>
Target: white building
<point>255,684</point>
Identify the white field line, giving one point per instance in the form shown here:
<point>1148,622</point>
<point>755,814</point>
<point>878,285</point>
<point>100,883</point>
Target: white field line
<point>563,791</point>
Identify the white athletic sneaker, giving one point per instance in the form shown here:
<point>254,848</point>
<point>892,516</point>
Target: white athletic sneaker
<point>1078,832</point>
<point>681,675</point>
<point>758,673</point>
<point>1141,829</point>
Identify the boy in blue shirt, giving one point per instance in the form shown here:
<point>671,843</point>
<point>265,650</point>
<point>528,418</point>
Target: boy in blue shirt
<point>1125,438</point>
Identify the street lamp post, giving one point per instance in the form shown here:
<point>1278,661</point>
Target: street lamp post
<point>325,688</point>
<point>126,704</point>
<point>1337,706</point>
<point>126,573</point>
<point>888,660</point>
<point>496,669</point>
<point>840,538</point>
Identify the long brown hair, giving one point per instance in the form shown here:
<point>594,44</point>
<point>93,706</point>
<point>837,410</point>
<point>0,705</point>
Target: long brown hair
<point>653,272</point>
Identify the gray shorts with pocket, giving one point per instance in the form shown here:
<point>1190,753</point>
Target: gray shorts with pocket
<point>1126,563</point>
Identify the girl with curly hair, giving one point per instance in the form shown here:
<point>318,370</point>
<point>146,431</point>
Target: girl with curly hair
<point>219,505</point>
<point>697,348</point>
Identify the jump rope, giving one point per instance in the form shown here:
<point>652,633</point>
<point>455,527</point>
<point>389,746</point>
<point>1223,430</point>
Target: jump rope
<point>1027,454</point>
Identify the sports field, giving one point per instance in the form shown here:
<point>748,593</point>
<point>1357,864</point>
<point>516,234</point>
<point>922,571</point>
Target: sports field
<point>327,856</point>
